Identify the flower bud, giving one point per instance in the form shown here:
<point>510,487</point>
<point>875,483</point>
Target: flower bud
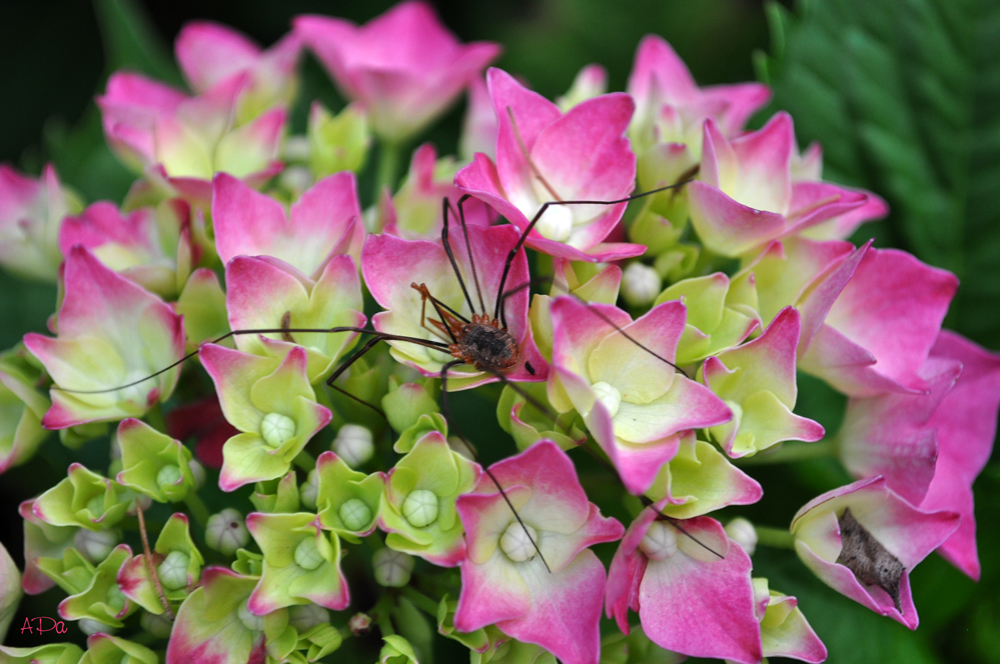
<point>157,625</point>
<point>392,568</point>
<point>306,616</point>
<point>198,473</point>
<point>307,554</point>
<point>517,542</point>
<point>660,541</point>
<point>743,533</point>
<point>359,624</point>
<point>114,598</point>
<point>609,396</point>
<point>355,514</point>
<point>88,627</point>
<point>276,429</point>
<point>420,508</point>
<point>249,620</point>
<point>640,284</point>
<point>173,570</point>
<point>225,532</point>
<point>310,490</point>
<point>95,546</point>
<point>405,404</point>
<point>354,444</point>
<point>168,475</point>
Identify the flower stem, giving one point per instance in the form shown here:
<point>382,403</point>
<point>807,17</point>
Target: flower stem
<point>776,538</point>
<point>389,156</point>
<point>420,600</point>
<point>382,618</point>
<point>305,461</point>
<point>197,508</point>
<point>792,451</point>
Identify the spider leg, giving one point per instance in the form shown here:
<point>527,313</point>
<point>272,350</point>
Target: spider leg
<point>446,411</point>
<point>468,249</point>
<point>445,205</point>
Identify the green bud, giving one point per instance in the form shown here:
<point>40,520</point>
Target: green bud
<point>405,404</point>
<point>307,554</point>
<point>225,532</point>
<point>355,514</point>
<point>173,570</point>
<point>157,625</point>
<point>95,546</point>
<point>96,506</point>
<point>420,508</point>
<point>277,428</point>
<point>168,475</point>
<point>337,143</point>
<point>354,444</point>
<point>249,620</point>
<point>392,568</point>
<point>306,616</point>
<point>115,598</point>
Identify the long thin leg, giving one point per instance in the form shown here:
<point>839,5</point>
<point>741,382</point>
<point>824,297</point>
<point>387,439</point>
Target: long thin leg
<point>538,215</point>
<point>468,249</point>
<point>446,411</point>
<point>424,295</point>
<point>445,205</point>
<point>344,366</point>
<point>277,330</point>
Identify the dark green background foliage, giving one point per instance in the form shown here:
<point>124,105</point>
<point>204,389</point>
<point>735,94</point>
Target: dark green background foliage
<point>904,95</point>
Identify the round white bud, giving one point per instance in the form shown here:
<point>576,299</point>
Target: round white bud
<point>157,625</point>
<point>297,178</point>
<point>277,428</point>
<point>95,546</point>
<point>609,396</point>
<point>225,531</point>
<point>354,444</point>
<point>306,616</point>
<point>743,533</point>
<point>640,284</point>
<point>309,491</point>
<point>355,514</point>
<point>556,223</point>
<point>517,543</point>
<point>296,148</point>
<point>420,508</point>
<point>660,541</point>
<point>359,624</point>
<point>173,571</point>
<point>168,475</point>
<point>249,620</point>
<point>307,554</point>
<point>392,568</point>
<point>89,626</point>
<point>197,473</point>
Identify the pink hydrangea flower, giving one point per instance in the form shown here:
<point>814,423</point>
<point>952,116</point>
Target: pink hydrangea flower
<point>505,582</point>
<point>670,107</point>
<point>31,211</point>
<point>868,555</point>
<point>154,253</point>
<point>404,66</point>
<point>881,312</point>
<point>390,264</point>
<point>543,155</point>
<point>634,404</point>
<point>692,589</point>
<point>111,332</point>
<point>324,222</point>
<point>745,196</point>
<point>180,142</point>
<point>210,53</point>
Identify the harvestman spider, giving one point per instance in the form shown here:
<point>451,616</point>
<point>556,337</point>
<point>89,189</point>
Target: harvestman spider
<point>482,342</point>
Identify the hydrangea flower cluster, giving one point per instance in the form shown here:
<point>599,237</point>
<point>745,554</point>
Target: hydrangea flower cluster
<point>687,270</point>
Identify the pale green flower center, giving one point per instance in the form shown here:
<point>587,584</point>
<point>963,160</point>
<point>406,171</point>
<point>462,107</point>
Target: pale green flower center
<point>609,396</point>
<point>168,475</point>
<point>392,568</point>
<point>96,505</point>
<point>249,620</point>
<point>115,599</point>
<point>355,514</point>
<point>277,428</point>
<point>420,508</point>
<point>517,543</point>
<point>173,570</point>
<point>660,541</point>
<point>556,223</point>
<point>307,555</point>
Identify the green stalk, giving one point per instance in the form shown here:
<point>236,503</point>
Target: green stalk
<point>197,508</point>
<point>390,154</point>
<point>776,538</point>
<point>420,600</point>
<point>791,452</point>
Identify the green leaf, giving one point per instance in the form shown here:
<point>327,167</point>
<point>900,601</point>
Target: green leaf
<point>903,96</point>
<point>131,41</point>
